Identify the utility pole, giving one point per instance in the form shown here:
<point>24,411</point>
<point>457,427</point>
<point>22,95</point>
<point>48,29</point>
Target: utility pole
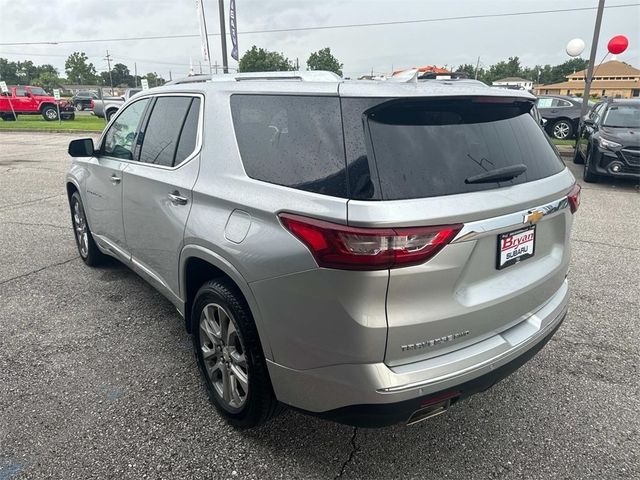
<point>223,37</point>
<point>135,73</point>
<point>592,61</point>
<point>108,59</point>
<point>477,67</point>
<point>215,66</point>
<point>200,66</point>
<point>297,65</point>
<point>169,75</point>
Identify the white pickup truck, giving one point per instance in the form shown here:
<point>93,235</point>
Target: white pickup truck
<point>107,106</point>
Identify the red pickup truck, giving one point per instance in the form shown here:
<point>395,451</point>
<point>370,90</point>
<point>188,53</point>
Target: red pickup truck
<point>27,100</point>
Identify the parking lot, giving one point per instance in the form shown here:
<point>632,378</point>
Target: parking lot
<point>98,379</point>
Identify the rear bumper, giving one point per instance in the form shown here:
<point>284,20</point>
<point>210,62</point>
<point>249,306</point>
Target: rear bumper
<point>377,395</point>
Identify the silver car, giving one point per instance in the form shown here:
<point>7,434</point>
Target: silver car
<point>367,252</point>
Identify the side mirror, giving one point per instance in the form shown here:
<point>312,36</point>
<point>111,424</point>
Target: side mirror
<point>81,148</point>
<point>543,121</point>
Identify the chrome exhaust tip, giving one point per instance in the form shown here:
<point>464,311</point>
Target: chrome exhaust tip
<point>429,411</point>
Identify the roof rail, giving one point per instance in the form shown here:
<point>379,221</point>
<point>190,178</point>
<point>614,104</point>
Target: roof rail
<point>301,76</point>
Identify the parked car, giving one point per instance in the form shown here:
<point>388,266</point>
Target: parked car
<point>107,106</point>
<point>84,100</point>
<point>609,143</point>
<point>362,251</point>
<point>27,100</point>
<point>562,115</point>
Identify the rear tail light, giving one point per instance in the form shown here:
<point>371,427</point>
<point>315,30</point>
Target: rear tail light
<point>92,104</point>
<point>574,198</point>
<point>352,248</point>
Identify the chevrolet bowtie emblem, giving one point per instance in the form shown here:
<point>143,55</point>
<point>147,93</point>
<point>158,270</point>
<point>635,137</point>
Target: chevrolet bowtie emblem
<point>533,216</point>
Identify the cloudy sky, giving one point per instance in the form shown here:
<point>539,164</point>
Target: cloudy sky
<point>539,38</point>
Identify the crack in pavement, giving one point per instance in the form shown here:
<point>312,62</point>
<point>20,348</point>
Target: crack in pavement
<point>604,244</point>
<point>38,225</point>
<point>354,449</point>
<point>17,277</point>
<point>5,207</point>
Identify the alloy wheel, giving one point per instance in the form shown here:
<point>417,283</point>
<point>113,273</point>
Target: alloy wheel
<point>80,228</point>
<point>224,356</point>
<point>561,130</point>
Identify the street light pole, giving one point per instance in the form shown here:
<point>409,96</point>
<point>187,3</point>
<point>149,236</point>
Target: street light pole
<point>592,61</point>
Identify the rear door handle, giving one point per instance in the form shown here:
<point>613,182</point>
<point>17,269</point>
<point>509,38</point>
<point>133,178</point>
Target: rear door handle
<point>177,199</point>
<point>115,179</point>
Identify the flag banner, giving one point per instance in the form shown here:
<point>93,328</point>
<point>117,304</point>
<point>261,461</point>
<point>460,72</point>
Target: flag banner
<point>204,39</point>
<point>234,30</point>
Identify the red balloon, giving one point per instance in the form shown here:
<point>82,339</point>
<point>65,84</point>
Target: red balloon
<point>618,44</point>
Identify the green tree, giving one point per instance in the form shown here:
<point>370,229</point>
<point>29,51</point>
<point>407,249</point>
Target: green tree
<point>78,70</point>
<point>261,60</point>
<point>154,79</point>
<point>510,68</point>
<point>47,80</point>
<point>470,70</point>
<point>324,60</point>
<point>8,71</point>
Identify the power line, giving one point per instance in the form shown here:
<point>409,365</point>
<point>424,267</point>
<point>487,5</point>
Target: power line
<point>327,27</point>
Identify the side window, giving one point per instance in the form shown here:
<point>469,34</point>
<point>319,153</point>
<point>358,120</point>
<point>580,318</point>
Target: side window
<point>21,92</point>
<point>564,103</point>
<point>189,134</point>
<point>294,141</point>
<point>162,133</point>
<point>119,140</point>
<point>545,102</point>
<point>597,112</point>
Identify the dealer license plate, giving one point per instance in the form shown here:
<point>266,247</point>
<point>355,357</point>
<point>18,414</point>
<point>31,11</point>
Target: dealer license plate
<point>514,247</point>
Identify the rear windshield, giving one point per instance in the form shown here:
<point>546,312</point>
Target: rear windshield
<point>432,148</point>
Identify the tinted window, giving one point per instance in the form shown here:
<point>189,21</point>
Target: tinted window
<point>429,148</point>
<point>163,130</point>
<point>38,91</point>
<point>21,92</point>
<point>295,141</point>
<point>120,139</point>
<point>189,134</point>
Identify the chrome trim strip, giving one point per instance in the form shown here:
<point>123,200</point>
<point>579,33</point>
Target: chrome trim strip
<point>492,226</point>
<point>109,245</point>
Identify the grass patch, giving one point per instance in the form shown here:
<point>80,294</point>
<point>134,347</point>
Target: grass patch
<point>37,123</point>
<point>571,142</point>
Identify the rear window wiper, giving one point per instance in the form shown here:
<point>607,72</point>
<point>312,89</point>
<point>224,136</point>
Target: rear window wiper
<point>498,175</point>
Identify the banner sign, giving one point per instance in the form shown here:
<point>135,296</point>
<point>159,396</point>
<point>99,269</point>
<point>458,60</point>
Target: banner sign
<point>56,93</point>
<point>204,39</point>
<point>144,83</point>
<point>3,86</point>
<point>234,30</point>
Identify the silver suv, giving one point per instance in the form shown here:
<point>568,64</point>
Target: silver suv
<point>368,252</point>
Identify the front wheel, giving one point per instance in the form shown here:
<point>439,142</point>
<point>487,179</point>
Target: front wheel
<point>50,113</point>
<point>562,130</point>
<point>230,357</point>
<point>87,247</point>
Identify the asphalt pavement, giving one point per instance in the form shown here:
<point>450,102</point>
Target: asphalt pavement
<point>98,379</point>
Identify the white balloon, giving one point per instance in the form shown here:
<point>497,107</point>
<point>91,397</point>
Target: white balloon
<point>575,47</point>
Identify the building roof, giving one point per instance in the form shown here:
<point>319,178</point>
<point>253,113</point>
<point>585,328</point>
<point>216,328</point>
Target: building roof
<point>595,85</point>
<point>612,68</point>
<point>512,79</point>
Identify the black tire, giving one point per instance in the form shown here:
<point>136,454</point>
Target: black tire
<point>578,159</point>
<point>587,173</point>
<point>260,403</point>
<point>8,117</point>
<point>109,113</point>
<point>562,129</point>
<point>91,254</point>
<point>79,106</point>
<point>50,113</point>
<point>69,117</point>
